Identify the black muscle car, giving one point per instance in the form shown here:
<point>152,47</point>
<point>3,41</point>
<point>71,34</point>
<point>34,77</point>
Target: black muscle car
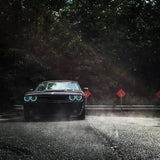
<point>55,98</point>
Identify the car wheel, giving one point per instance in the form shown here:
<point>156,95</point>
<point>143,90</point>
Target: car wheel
<point>28,115</point>
<point>82,116</point>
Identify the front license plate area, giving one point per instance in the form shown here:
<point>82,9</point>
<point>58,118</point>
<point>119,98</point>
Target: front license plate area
<point>50,109</point>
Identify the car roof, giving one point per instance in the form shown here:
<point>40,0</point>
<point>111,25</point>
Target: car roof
<point>60,81</point>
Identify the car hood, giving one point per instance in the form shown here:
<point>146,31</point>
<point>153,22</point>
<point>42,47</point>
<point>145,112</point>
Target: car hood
<point>36,93</point>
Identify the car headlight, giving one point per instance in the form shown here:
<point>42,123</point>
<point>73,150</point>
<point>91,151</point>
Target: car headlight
<point>26,98</point>
<point>30,98</point>
<point>79,97</point>
<point>33,98</point>
<point>72,97</point>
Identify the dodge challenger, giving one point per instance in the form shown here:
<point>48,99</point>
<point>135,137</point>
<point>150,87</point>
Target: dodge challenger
<point>55,98</point>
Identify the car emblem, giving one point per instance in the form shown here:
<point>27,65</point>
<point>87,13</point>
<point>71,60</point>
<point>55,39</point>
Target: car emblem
<point>52,92</point>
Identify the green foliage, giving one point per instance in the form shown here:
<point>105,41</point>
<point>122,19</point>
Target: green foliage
<point>105,45</point>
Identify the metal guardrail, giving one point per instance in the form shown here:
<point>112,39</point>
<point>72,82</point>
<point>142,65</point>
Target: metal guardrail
<point>113,107</point>
<point>18,107</point>
<point>123,107</point>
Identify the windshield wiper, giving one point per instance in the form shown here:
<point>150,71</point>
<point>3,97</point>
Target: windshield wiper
<point>62,90</point>
<point>52,90</point>
<point>70,90</point>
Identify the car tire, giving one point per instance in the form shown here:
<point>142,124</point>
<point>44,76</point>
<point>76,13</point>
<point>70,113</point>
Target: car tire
<point>82,116</point>
<point>28,115</point>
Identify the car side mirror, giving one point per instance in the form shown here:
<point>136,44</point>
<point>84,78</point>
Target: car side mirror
<point>31,89</point>
<point>85,89</point>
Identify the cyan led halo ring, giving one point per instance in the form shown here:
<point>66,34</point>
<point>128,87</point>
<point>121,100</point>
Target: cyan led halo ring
<point>72,99</point>
<point>34,99</point>
<point>78,99</point>
<point>30,98</point>
<point>26,99</point>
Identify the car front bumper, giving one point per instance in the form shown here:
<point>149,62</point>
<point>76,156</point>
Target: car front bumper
<point>46,109</point>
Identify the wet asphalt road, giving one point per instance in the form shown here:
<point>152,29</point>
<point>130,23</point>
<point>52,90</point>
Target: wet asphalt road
<point>97,137</point>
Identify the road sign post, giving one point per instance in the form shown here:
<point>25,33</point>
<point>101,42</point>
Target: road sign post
<point>121,104</point>
<point>121,94</point>
<point>87,94</point>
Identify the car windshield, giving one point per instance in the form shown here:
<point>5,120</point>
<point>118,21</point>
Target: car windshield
<point>57,86</point>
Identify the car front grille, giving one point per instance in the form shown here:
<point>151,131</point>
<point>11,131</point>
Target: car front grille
<point>53,98</point>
